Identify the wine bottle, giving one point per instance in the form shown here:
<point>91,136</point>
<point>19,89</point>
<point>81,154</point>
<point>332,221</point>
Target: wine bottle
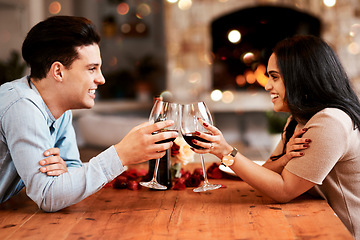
<point>164,171</point>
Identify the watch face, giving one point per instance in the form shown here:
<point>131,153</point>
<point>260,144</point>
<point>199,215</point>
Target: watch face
<point>228,160</point>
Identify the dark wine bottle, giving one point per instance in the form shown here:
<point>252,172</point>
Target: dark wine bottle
<point>164,171</point>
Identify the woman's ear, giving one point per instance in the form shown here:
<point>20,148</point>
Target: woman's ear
<point>56,71</point>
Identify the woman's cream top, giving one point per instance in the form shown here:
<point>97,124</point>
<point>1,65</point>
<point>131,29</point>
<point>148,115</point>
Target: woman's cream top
<point>333,162</point>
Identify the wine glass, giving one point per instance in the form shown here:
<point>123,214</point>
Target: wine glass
<point>162,111</point>
<point>190,115</point>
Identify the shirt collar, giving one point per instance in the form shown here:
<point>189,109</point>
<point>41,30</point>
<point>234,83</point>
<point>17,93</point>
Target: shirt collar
<point>50,118</point>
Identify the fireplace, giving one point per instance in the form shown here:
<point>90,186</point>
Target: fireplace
<point>240,60</point>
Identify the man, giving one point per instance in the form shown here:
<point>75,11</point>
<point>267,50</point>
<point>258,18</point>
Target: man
<point>64,58</point>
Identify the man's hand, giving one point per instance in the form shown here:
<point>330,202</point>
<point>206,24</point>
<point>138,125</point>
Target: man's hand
<point>139,145</point>
<point>53,164</point>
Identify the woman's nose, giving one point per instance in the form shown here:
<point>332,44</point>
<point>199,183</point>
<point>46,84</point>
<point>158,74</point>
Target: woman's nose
<point>268,85</point>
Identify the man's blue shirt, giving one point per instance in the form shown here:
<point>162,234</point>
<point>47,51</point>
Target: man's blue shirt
<point>27,129</point>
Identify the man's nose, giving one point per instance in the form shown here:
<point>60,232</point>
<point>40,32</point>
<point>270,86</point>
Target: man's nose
<point>100,79</point>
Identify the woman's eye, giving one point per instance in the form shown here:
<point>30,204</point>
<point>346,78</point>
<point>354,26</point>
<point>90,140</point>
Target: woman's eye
<point>92,69</point>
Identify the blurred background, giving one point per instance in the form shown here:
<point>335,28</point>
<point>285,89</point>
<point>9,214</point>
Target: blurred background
<point>186,50</point>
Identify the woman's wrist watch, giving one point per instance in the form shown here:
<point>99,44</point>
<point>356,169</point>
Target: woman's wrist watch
<point>229,160</point>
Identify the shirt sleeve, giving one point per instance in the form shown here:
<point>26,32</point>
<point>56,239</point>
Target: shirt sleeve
<point>328,131</point>
<point>28,136</point>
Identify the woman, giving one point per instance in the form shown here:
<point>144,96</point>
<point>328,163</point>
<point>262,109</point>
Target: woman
<point>321,141</point>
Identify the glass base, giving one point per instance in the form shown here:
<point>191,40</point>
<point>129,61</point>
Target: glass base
<point>207,187</point>
<point>153,184</point>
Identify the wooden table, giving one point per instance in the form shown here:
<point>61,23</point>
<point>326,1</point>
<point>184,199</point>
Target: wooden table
<point>235,212</point>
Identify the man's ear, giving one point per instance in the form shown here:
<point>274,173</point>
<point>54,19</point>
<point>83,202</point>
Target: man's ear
<point>56,71</point>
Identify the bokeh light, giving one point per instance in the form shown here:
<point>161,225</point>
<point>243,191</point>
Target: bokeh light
<point>195,77</point>
<point>184,4</point>
<point>178,72</point>
<point>143,10</point>
<point>354,30</point>
<point>353,48</point>
<point>216,95</point>
<point>260,76</point>
<point>140,27</point>
<point>240,80</point>
<point>234,36</point>
<point>123,8</point>
<point>250,76</point>
<point>248,57</point>
<point>166,95</point>
<point>54,7</point>
<point>228,97</point>
<point>125,28</point>
<point>329,3</point>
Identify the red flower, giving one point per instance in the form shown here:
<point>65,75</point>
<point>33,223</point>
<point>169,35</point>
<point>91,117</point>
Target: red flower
<point>185,174</point>
<point>199,172</point>
<point>214,171</point>
<point>179,184</point>
<point>130,174</point>
<point>133,185</point>
<point>130,179</point>
<point>120,182</point>
<point>193,181</point>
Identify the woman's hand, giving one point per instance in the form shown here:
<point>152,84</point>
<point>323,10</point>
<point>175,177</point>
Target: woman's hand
<point>293,149</point>
<point>296,144</point>
<point>53,164</point>
<point>216,144</point>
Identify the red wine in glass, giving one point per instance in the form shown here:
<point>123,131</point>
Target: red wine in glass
<point>189,137</point>
<point>190,115</point>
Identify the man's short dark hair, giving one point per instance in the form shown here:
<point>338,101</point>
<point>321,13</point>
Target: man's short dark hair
<point>56,39</point>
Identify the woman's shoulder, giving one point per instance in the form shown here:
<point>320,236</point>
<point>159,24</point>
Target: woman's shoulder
<point>332,116</point>
<point>333,113</point>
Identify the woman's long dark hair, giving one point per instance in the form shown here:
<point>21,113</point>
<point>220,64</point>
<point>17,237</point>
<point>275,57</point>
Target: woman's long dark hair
<point>314,79</point>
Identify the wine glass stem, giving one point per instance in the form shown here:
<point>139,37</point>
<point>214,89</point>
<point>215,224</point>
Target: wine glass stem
<point>156,169</point>
<point>204,170</point>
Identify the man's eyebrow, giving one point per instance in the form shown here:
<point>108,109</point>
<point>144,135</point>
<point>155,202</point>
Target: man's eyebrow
<point>93,65</point>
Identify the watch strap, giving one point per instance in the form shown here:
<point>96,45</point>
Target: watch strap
<point>233,152</point>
